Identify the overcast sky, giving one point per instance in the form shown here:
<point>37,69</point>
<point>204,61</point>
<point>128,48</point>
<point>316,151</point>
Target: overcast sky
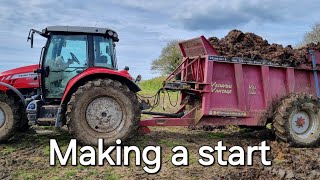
<point>145,26</point>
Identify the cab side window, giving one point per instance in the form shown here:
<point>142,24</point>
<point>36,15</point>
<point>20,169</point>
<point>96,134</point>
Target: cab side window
<point>103,52</point>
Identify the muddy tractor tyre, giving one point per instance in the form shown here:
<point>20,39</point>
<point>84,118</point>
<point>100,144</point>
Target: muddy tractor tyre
<point>297,121</point>
<point>23,122</point>
<point>103,109</point>
<point>9,117</point>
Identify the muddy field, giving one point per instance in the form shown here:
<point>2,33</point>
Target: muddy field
<point>26,156</point>
<point>249,45</point>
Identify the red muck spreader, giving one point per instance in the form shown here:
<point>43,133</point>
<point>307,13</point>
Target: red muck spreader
<point>217,90</point>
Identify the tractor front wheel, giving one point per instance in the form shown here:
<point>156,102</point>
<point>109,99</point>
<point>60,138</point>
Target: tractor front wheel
<point>9,117</point>
<point>103,109</point>
<point>23,122</point>
<point>297,120</point>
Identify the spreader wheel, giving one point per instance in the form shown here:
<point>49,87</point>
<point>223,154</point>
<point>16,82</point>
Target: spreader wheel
<point>103,109</point>
<point>9,117</point>
<point>297,121</point>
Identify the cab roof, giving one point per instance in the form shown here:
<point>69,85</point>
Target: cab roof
<point>82,29</point>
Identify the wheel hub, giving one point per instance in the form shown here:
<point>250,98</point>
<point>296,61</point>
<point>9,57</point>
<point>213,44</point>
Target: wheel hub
<point>2,117</point>
<point>104,114</point>
<point>301,122</point>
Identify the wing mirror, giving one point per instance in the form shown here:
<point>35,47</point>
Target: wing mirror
<point>138,79</point>
<point>30,37</point>
<point>31,34</point>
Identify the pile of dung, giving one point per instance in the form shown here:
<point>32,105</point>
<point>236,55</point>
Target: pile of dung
<point>252,46</point>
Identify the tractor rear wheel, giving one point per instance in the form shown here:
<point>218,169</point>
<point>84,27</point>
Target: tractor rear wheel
<point>297,121</point>
<point>103,109</point>
<point>9,117</point>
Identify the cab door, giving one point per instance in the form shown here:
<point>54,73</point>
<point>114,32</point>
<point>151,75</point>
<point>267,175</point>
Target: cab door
<point>66,57</point>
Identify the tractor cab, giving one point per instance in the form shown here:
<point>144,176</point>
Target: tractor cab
<point>72,59</point>
<point>70,51</point>
<point>76,83</point>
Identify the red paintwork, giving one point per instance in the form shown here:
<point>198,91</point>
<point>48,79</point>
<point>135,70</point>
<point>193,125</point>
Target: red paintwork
<point>12,77</point>
<point>94,71</point>
<point>233,93</point>
<point>144,130</point>
<point>196,47</point>
<point>20,78</point>
<point>300,122</point>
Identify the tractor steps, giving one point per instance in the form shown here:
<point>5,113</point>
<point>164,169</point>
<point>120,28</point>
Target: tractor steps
<point>48,115</point>
<point>46,121</point>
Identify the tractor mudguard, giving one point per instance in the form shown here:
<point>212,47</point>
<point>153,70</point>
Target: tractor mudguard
<point>15,90</point>
<point>93,73</point>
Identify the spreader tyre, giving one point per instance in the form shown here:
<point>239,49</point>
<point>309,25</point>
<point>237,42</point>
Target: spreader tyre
<point>103,109</point>
<point>297,120</point>
<point>9,117</point>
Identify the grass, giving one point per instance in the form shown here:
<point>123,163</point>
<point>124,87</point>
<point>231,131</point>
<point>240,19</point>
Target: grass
<point>151,86</point>
<point>170,143</point>
<point>168,101</point>
<point>211,135</point>
<point>7,150</point>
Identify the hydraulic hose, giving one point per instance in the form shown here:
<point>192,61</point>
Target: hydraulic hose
<point>14,90</point>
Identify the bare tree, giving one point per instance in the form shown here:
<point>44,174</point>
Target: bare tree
<point>312,36</point>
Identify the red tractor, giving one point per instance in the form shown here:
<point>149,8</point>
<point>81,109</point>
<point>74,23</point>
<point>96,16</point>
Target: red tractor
<point>76,83</point>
